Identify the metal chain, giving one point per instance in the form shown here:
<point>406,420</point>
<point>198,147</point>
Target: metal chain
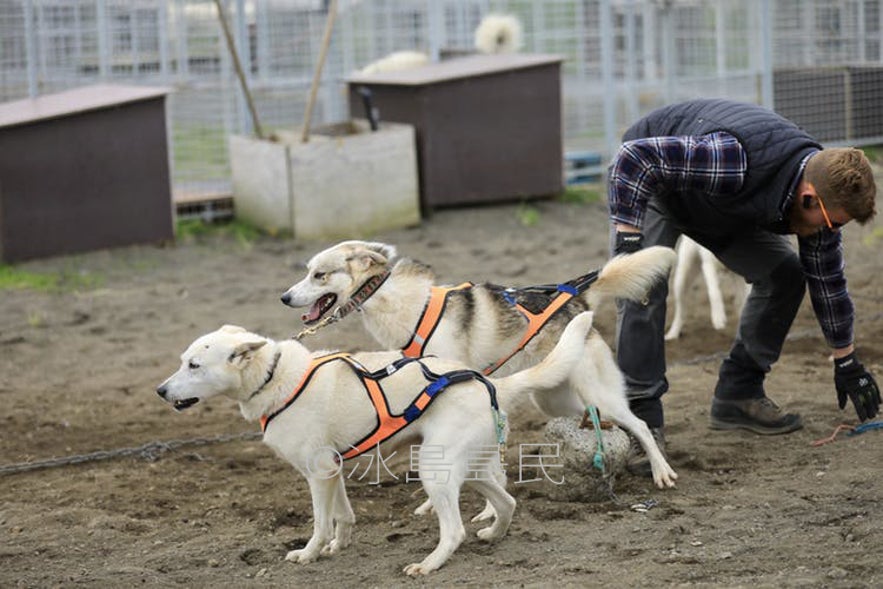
<point>150,452</point>
<point>311,330</point>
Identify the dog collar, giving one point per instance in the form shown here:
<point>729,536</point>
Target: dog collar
<point>269,376</point>
<point>362,294</point>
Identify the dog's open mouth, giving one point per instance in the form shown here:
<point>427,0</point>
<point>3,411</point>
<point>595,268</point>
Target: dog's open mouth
<point>319,308</point>
<point>185,403</point>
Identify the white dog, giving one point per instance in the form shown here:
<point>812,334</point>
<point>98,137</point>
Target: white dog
<point>345,404</point>
<point>486,326</point>
<point>692,257</point>
<point>496,33</point>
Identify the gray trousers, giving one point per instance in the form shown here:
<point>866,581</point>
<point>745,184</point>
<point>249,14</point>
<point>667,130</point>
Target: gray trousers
<point>766,260</point>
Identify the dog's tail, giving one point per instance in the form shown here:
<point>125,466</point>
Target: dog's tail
<point>498,33</point>
<point>630,276</point>
<point>555,368</point>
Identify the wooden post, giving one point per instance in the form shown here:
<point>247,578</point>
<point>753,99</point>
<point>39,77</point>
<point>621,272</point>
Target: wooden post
<point>317,75</point>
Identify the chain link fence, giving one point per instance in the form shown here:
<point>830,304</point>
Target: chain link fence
<point>815,61</point>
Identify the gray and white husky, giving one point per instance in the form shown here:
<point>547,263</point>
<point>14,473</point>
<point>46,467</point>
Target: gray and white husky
<point>482,324</point>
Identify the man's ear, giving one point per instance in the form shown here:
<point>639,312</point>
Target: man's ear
<point>244,352</point>
<point>807,194</point>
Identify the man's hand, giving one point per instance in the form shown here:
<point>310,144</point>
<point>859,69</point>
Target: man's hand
<point>628,242</point>
<point>853,381</point>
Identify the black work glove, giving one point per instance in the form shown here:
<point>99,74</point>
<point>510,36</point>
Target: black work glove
<point>853,381</point>
<point>628,243</point>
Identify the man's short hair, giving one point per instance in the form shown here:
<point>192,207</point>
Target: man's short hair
<point>842,177</point>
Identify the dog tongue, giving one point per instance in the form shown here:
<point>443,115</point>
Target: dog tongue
<point>313,313</point>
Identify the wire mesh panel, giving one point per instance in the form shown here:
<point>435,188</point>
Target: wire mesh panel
<point>815,61</point>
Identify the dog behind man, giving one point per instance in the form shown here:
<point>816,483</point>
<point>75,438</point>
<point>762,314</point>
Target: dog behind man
<point>693,258</point>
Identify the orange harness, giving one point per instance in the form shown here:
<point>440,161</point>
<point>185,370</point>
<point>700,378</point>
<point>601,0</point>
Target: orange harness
<point>388,424</point>
<point>438,298</point>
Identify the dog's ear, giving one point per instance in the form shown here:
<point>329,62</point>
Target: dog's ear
<point>384,249</point>
<point>244,352</point>
<point>232,329</point>
<point>365,258</point>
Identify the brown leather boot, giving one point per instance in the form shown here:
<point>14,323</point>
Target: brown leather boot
<point>760,415</point>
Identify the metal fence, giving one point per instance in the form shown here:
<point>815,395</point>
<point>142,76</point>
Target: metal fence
<point>819,62</point>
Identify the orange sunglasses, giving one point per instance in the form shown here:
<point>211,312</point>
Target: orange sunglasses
<point>831,226</point>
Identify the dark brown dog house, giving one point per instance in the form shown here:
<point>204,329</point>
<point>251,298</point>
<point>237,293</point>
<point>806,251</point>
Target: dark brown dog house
<point>82,170</point>
<point>488,126</point>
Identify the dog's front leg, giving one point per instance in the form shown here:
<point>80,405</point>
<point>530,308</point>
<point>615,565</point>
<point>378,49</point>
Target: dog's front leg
<point>322,490</point>
<point>344,518</point>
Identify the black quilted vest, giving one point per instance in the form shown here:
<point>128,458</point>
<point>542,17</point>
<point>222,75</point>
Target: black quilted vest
<point>774,147</point>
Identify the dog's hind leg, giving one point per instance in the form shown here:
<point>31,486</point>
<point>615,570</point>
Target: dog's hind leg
<point>684,274</point>
<point>599,381</point>
<point>424,508</point>
<point>501,504</point>
<point>712,285</point>
<point>323,491</point>
<point>344,518</point>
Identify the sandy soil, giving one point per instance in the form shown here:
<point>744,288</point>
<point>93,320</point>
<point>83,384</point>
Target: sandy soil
<point>80,368</point>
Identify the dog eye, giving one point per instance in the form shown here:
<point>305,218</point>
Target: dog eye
<point>192,365</point>
<point>319,275</point>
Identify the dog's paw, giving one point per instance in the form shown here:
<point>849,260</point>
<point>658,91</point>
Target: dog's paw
<point>486,515</point>
<point>491,533</point>
<point>334,547</point>
<point>302,556</point>
<point>665,478</point>
<point>417,568</point>
<point>424,508</point>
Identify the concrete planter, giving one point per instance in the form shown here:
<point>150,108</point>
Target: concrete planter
<point>346,182</point>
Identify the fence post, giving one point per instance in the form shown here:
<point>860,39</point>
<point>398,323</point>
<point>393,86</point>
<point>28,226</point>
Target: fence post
<point>436,12</point>
<point>766,54</point>
<point>30,50</point>
<point>104,47</point>
<point>608,79</point>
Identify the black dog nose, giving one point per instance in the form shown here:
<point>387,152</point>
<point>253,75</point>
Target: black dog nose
<point>162,391</point>
<point>286,298</point>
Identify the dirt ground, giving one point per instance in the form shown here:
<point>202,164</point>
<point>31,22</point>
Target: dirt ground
<point>79,370</point>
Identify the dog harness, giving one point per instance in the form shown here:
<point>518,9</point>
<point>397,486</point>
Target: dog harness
<point>435,306</point>
<point>389,424</point>
<point>432,312</point>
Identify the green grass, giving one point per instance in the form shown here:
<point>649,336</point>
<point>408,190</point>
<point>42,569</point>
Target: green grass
<point>528,215</point>
<point>581,195</point>
<point>199,148</point>
<point>199,230</point>
<point>12,278</point>
<point>874,237</point>
<point>873,152</point>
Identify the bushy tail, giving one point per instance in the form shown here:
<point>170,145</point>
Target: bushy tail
<point>555,368</point>
<point>630,276</point>
<point>498,33</point>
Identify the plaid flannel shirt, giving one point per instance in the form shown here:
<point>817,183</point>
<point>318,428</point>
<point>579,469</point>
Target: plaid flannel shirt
<point>715,164</point>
